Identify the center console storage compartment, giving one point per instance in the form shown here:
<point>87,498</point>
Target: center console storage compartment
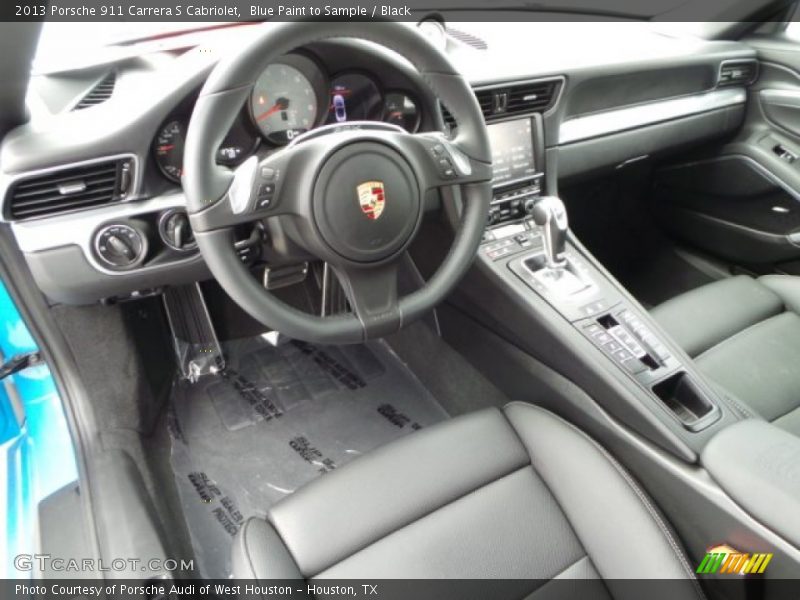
<point>758,465</point>
<point>684,398</point>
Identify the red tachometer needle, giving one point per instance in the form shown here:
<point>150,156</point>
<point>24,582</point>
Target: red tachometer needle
<point>281,104</point>
<point>166,148</point>
<point>269,112</point>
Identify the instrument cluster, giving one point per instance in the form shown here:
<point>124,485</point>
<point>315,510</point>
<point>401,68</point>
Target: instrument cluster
<point>289,98</point>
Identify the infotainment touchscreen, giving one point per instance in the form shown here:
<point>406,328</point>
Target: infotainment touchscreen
<point>512,151</point>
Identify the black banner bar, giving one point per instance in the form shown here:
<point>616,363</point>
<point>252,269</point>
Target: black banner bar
<point>403,10</point>
<point>381,589</point>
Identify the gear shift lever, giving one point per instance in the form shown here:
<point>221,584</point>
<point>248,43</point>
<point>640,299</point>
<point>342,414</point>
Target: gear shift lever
<point>550,214</point>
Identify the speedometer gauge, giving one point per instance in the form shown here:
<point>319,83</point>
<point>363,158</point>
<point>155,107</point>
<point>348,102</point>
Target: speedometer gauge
<point>284,103</point>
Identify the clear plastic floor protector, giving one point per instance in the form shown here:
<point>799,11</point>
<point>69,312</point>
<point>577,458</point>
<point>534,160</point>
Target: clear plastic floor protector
<point>275,419</point>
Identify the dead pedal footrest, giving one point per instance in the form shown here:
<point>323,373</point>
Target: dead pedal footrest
<point>196,345</point>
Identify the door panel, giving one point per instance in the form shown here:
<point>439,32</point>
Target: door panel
<point>741,201</point>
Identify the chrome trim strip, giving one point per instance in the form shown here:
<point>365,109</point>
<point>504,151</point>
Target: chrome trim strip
<point>614,121</point>
<point>7,181</point>
<point>79,228</point>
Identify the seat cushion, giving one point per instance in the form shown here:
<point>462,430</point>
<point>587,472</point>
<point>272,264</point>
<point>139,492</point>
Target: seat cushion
<point>516,494</point>
<point>744,334</point>
<point>706,316</point>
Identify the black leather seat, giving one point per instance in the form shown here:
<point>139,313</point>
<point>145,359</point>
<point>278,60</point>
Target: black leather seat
<point>514,494</point>
<point>744,333</point>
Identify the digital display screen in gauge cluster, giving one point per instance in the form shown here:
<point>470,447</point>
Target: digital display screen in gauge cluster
<point>354,97</point>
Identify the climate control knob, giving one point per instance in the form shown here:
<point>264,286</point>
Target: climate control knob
<point>120,246</point>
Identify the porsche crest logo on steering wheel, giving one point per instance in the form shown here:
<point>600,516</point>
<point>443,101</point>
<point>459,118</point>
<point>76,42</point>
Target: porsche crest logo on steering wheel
<point>371,198</point>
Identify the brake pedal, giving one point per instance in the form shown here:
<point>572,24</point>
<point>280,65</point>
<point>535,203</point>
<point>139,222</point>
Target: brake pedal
<point>194,338</point>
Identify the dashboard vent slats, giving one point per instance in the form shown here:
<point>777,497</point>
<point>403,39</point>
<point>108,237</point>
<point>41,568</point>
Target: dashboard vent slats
<point>70,189</point>
<point>536,96</point>
<point>742,72</point>
<point>102,91</point>
<point>449,121</point>
<point>511,100</point>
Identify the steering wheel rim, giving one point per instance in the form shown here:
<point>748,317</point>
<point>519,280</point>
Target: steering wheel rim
<point>410,163</point>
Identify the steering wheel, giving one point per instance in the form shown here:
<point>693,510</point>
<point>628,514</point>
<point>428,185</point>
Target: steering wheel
<point>349,194</point>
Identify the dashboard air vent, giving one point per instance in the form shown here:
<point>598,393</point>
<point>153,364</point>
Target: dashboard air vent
<point>515,99</point>
<point>738,73</point>
<point>101,92</point>
<point>536,96</point>
<point>449,121</point>
<point>467,38</point>
<point>69,189</point>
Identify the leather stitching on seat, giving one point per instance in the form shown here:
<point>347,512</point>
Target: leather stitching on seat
<point>246,548</point>
<point>730,398</point>
<point>656,517</point>
<point>634,486</point>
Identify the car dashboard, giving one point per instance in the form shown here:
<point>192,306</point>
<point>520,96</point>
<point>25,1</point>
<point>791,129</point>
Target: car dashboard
<point>92,184</point>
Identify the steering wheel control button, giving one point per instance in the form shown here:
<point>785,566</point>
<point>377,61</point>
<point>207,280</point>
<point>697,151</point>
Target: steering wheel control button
<point>120,246</point>
<point>450,161</point>
<point>268,173</point>
<point>265,194</point>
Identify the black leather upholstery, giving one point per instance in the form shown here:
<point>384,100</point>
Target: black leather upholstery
<point>518,494</point>
<point>744,333</point>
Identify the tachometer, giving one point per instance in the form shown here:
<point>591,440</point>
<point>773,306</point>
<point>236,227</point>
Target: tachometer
<point>168,149</point>
<point>240,143</point>
<point>284,103</point>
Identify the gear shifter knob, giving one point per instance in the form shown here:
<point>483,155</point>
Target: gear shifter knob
<point>550,214</point>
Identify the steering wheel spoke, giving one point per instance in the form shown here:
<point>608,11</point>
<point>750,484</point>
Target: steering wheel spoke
<point>445,163</point>
<point>372,293</point>
<point>255,193</point>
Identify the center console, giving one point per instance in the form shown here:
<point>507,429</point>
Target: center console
<point>543,318</point>
<point>527,238</point>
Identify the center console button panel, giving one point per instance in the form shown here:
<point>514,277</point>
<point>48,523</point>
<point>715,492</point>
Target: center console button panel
<point>509,239</point>
<point>596,308</point>
<point>527,238</point>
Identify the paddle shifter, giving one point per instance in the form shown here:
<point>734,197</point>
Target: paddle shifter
<point>550,214</point>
